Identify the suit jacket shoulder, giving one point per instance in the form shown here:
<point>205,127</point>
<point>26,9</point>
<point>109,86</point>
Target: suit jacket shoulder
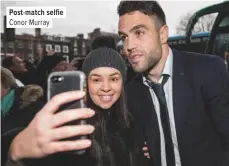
<point>202,62</point>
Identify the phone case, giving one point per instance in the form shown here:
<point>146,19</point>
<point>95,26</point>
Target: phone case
<point>70,81</point>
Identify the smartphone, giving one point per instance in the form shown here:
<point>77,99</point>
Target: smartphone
<point>59,82</point>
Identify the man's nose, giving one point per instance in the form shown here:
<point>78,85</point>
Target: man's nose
<point>130,44</point>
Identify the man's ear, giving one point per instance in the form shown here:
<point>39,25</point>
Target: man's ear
<point>164,32</point>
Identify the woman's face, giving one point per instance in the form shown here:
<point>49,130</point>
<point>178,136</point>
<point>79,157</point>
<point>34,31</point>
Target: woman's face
<point>105,86</point>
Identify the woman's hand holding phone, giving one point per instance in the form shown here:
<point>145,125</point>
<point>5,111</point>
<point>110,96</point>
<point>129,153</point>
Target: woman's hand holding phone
<point>46,132</point>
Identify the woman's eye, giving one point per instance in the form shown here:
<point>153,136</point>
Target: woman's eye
<point>95,80</point>
<point>115,79</point>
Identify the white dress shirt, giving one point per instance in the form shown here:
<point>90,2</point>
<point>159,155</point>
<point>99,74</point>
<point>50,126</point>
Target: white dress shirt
<point>19,83</point>
<point>168,70</point>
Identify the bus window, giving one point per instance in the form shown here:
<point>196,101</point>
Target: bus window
<point>221,42</point>
<point>205,23</point>
<point>224,22</point>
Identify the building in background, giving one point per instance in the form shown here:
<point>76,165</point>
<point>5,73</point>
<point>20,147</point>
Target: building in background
<point>24,46</point>
<point>29,46</point>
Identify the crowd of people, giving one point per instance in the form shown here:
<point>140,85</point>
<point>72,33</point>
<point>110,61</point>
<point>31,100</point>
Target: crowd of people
<point>162,108</point>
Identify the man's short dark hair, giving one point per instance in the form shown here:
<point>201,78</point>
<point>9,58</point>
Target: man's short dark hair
<point>103,41</point>
<point>7,62</point>
<point>150,8</point>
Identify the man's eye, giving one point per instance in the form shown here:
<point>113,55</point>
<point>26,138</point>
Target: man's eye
<point>123,37</point>
<point>139,33</point>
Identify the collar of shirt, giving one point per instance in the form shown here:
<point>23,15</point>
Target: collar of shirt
<point>167,70</point>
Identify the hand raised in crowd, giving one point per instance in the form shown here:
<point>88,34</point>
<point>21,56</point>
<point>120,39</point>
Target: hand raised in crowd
<point>146,152</point>
<point>41,137</point>
<point>72,65</point>
<point>51,52</point>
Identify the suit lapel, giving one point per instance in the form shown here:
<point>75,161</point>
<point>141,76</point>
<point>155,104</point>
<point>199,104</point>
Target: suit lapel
<point>148,118</point>
<point>182,91</point>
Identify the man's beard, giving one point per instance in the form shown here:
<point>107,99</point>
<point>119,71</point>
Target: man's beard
<point>151,62</point>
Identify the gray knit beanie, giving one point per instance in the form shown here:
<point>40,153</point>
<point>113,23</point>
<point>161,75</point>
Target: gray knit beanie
<point>104,57</point>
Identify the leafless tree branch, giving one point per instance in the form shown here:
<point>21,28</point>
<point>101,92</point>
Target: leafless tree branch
<point>204,24</point>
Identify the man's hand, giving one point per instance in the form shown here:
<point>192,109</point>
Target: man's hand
<point>146,152</point>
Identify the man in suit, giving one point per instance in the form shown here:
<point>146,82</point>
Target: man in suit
<point>181,99</point>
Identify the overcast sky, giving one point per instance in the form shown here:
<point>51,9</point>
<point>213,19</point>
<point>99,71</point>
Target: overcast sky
<point>84,16</point>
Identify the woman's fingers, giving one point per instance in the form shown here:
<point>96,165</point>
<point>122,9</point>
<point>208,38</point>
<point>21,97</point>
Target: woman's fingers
<point>71,131</point>
<point>54,104</point>
<point>66,116</point>
<point>62,146</point>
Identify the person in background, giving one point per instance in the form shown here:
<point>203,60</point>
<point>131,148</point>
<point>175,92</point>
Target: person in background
<point>15,65</point>
<point>29,64</point>
<point>50,62</point>
<point>19,104</point>
<point>8,82</point>
<point>103,41</point>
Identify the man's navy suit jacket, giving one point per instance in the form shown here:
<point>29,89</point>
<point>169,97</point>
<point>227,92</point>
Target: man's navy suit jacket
<point>201,110</point>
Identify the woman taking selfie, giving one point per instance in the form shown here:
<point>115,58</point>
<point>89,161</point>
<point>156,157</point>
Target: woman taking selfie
<point>113,141</point>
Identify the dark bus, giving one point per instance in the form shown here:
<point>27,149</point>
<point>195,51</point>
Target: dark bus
<point>218,40</point>
<point>197,44</point>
